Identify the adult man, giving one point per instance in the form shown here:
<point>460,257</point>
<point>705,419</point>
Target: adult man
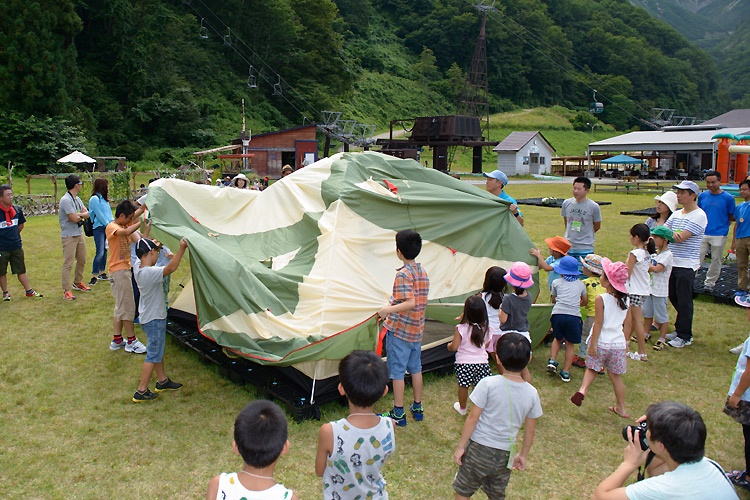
<point>11,248</point>
<point>688,225</point>
<point>70,214</point>
<point>495,183</point>
<point>719,208</point>
<point>677,437</point>
<point>582,218</point>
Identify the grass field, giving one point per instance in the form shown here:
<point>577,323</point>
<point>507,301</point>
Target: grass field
<point>71,431</point>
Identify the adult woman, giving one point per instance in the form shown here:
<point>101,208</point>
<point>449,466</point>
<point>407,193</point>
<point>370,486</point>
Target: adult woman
<point>665,205</point>
<point>240,181</point>
<point>101,215</point>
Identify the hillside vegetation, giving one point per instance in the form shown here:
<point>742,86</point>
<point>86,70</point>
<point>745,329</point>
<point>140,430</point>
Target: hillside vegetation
<point>154,80</point>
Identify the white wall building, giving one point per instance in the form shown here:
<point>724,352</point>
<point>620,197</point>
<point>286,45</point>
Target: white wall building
<point>524,153</point>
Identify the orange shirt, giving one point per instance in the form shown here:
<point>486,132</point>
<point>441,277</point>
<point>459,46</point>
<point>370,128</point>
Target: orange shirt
<point>119,248</point>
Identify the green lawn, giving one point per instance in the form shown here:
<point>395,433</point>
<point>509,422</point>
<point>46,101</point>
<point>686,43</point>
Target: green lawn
<point>71,431</point>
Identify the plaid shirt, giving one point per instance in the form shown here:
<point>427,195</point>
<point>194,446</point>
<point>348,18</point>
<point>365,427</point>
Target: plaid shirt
<point>411,283</point>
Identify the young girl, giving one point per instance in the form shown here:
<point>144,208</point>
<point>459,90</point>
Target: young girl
<point>469,342</point>
<point>514,312</point>
<point>655,306</point>
<point>493,291</point>
<point>638,285</point>
<point>569,295</point>
<point>607,342</point>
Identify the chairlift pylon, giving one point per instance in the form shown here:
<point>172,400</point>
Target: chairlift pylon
<point>277,87</point>
<point>203,32</point>
<point>595,107</point>
<point>251,79</point>
<point>228,38</point>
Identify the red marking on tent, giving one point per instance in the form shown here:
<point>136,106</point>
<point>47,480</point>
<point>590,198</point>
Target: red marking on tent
<point>453,250</point>
<point>391,187</point>
<point>195,220</point>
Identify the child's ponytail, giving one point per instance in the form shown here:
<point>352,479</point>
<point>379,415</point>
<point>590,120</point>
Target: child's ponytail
<point>475,314</point>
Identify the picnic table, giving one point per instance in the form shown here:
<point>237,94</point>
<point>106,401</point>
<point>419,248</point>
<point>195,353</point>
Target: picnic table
<point>629,184</point>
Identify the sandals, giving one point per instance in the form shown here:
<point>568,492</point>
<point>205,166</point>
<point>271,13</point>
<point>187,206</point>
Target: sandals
<point>660,345</point>
<point>738,477</point>
<point>577,398</point>
<point>635,356</point>
<point>633,338</point>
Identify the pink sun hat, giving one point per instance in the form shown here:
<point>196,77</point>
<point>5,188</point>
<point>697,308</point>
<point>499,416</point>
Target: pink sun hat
<point>519,275</point>
<point>616,273</point>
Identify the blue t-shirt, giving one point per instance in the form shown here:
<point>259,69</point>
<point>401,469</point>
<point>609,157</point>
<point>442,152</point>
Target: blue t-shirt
<point>718,208</point>
<point>505,196</point>
<point>742,219</point>
<point>552,275</point>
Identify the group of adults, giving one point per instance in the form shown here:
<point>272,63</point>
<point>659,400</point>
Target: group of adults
<point>700,227</point>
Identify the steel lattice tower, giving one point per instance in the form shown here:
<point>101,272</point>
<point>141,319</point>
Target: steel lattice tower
<point>475,100</point>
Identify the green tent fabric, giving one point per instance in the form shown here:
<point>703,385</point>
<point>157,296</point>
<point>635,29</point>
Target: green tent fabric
<point>297,272</point>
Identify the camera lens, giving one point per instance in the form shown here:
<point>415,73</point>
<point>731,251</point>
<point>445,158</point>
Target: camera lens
<point>641,429</point>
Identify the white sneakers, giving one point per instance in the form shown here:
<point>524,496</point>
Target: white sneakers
<point>460,411</point>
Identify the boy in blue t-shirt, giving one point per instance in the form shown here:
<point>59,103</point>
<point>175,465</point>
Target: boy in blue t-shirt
<point>741,240</point>
<point>558,248</point>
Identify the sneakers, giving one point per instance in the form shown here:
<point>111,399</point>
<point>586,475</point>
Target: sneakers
<point>461,411</point>
<point>136,347</point>
<point>635,356</point>
<point>68,296</point>
<point>417,412</point>
<point>671,336</point>
<point>737,350</point>
<point>660,344</point>
<point>679,343</point>
<point>580,362</point>
<point>142,397</point>
<point>551,366</point>
<point>93,281</point>
<point>6,296</point>
<point>739,477</point>
<point>33,293</point>
<point>740,293</point>
<point>399,420</point>
<point>113,346</point>
<point>81,287</point>
<point>168,385</point>
<point>103,277</point>
<point>565,376</point>
<point>743,300</point>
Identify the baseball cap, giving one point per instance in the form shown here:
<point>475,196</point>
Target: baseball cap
<point>499,175</point>
<point>688,185</point>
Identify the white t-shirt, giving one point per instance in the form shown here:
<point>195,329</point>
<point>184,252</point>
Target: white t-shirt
<point>492,313</point>
<point>687,253</point>
<point>739,369</point>
<point>611,336</point>
<point>639,283</point>
<point>505,405</point>
<point>568,296</point>
<point>230,488</point>
<point>149,280</point>
<point>701,480</point>
<point>660,281</point>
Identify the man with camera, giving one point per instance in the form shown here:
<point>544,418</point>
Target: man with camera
<point>71,213</point>
<point>672,451</point>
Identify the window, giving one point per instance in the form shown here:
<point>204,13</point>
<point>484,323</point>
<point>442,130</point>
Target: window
<point>542,160</point>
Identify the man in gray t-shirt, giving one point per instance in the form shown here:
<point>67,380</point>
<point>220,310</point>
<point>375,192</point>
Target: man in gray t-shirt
<point>582,218</point>
<point>71,213</point>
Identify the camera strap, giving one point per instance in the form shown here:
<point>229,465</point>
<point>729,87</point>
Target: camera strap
<point>642,469</point>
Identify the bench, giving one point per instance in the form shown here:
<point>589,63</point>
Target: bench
<point>630,183</point>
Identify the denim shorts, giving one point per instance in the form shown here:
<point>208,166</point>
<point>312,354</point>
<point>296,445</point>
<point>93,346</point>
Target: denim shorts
<point>156,331</point>
<point>567,326</point>
<point>402,356</point>
<point>655,307</point>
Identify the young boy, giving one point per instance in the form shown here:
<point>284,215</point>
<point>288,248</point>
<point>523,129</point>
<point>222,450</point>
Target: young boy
<point>569,295</point>
<point>118,238</point>
<point>352,451</point>
<point>404,322</point>
<point>502,403</point>
<point>260,438</point>
<point>592,269</point>
<point>558,248</point>
<point>149,278</point>
<point>741,241</point>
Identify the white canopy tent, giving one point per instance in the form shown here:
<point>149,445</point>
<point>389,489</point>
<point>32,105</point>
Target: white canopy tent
<point>76,157</point>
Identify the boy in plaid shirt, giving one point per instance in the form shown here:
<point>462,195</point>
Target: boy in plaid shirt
<point>404,322</point>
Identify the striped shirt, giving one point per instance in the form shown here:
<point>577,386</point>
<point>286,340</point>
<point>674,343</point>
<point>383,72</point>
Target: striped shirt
<point>687,253</point>
<point>411,283</point>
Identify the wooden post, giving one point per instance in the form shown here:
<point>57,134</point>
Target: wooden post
<point>54,196</point>
<point>28,184</point>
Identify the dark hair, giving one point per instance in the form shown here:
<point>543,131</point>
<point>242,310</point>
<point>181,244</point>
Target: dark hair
<point>71,181</point>
<point>125,207</point>
<point>4,188</point>
<point>101,187</point>
<point>518,290</point>
<point>144,246</point>
<point>260,431</point>
<point>643,233</point>
<point>746,182</point>
<point>620,296</point>
<point>679,428</point>
<point>409,243</point>
<point>494,284</point>
<point>583,180</point>
<point>364,376</point>
<point>514,351</point>
<point>475,314</point>
<point>713,173</point>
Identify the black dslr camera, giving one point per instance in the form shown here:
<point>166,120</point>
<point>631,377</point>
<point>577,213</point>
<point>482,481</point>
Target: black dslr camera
<point>641,428</point>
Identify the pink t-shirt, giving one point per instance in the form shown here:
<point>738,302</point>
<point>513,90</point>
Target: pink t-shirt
<point>468,353</point>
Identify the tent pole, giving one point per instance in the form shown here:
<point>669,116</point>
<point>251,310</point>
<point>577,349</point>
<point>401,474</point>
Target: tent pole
<point>315,377</point>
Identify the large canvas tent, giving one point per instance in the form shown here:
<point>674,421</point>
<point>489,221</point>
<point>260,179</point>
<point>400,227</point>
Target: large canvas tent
<point>294,275</point>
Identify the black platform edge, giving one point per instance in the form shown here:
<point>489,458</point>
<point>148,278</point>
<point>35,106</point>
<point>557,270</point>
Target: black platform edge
<point>287,385</point>
<point>726,285</point>
<point>555,203</point>
<point>645,212</point>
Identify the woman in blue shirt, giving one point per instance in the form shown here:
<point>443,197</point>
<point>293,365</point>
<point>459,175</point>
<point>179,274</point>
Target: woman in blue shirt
<point>101,215</point>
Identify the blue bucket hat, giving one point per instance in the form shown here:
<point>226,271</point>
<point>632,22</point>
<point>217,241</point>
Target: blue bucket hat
<point>499,175</point>
<point>567,266</point>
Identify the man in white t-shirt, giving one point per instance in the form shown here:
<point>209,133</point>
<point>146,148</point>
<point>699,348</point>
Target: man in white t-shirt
<point>688,226</point>
<point>676,436</point>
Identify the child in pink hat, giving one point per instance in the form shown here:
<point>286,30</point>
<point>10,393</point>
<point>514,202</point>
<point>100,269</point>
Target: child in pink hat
<point>607,343</point>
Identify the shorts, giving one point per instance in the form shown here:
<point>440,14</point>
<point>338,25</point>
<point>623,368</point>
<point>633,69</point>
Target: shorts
<point>469,375</point>
<point>156,331</point>
<point>636,300</point>
<point>567,326</point>
<point>122,289</point>
<point>614,360</point>
<point>740,415</point>
<point>402,356</point>
<point>656,308</point>
<point>482,467</point>
<point>15,259</point>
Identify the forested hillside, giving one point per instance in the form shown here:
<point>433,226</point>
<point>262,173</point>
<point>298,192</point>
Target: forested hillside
<point>141,79</point>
